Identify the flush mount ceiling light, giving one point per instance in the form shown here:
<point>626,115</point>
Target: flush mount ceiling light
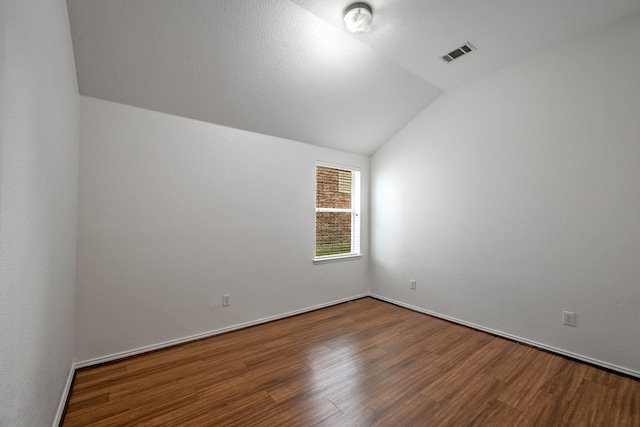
<point>358,18</point>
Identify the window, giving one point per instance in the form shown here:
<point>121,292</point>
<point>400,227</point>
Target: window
<point>337,212</point>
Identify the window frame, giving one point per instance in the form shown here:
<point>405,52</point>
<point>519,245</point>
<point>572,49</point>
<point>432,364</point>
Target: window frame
<point>356,215</point>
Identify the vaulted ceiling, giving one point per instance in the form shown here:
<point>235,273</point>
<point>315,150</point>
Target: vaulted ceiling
<point>289,68</point>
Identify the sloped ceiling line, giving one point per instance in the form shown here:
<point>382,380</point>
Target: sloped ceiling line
<point>288,68</point>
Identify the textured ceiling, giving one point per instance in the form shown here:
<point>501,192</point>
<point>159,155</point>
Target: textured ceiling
<point>416,33</point>
<point>288,68</point>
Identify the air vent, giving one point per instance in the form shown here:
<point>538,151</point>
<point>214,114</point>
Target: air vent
<point>462,50</point>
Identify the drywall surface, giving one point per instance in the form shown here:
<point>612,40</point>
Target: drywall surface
<point>516,197</point>
<point>38,201</point>
<point>173,213</point>
<point>267,66</point>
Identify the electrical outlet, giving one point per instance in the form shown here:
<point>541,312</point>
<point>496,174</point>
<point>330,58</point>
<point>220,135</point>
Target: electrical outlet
<point>226,300</point>
<point>569,318</point>
<point>412,283</point>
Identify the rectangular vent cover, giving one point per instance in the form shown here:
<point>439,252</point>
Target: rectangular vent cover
<point>462,50</point>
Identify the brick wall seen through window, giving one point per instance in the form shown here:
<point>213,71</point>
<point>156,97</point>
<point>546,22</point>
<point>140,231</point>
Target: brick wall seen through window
<point>335,213</point>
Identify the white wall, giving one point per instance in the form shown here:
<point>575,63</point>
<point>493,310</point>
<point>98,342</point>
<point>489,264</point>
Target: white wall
<point>517,196</point>
<point>38,195</point>
<point>174,213</point>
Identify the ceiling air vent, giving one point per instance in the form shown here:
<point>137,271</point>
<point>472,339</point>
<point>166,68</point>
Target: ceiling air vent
<point>462,50</point>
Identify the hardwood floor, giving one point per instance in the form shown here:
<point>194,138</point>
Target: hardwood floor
<point>364,363</point>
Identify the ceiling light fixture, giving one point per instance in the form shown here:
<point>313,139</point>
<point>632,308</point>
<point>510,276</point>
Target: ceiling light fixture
<point>358,18</point>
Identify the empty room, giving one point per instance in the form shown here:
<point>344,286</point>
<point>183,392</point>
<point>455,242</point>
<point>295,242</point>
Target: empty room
<point>320,213</point>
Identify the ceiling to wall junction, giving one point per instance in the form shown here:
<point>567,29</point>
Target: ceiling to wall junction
<point>289,68</point>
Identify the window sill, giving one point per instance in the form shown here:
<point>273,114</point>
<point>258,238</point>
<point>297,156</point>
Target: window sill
<point>336,258</point>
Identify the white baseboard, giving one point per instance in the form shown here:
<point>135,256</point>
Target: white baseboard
<point>65,395</point>
<point>159,346</point>
<point>556,350</point>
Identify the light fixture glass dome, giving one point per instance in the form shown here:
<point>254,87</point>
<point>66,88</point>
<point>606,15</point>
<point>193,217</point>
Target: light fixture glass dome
<point>358,18</point>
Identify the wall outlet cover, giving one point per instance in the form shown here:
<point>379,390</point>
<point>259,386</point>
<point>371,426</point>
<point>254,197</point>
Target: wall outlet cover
<point>569,318</point>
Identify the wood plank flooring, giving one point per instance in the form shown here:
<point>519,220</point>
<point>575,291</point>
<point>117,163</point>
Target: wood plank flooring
<point>364,363</point>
